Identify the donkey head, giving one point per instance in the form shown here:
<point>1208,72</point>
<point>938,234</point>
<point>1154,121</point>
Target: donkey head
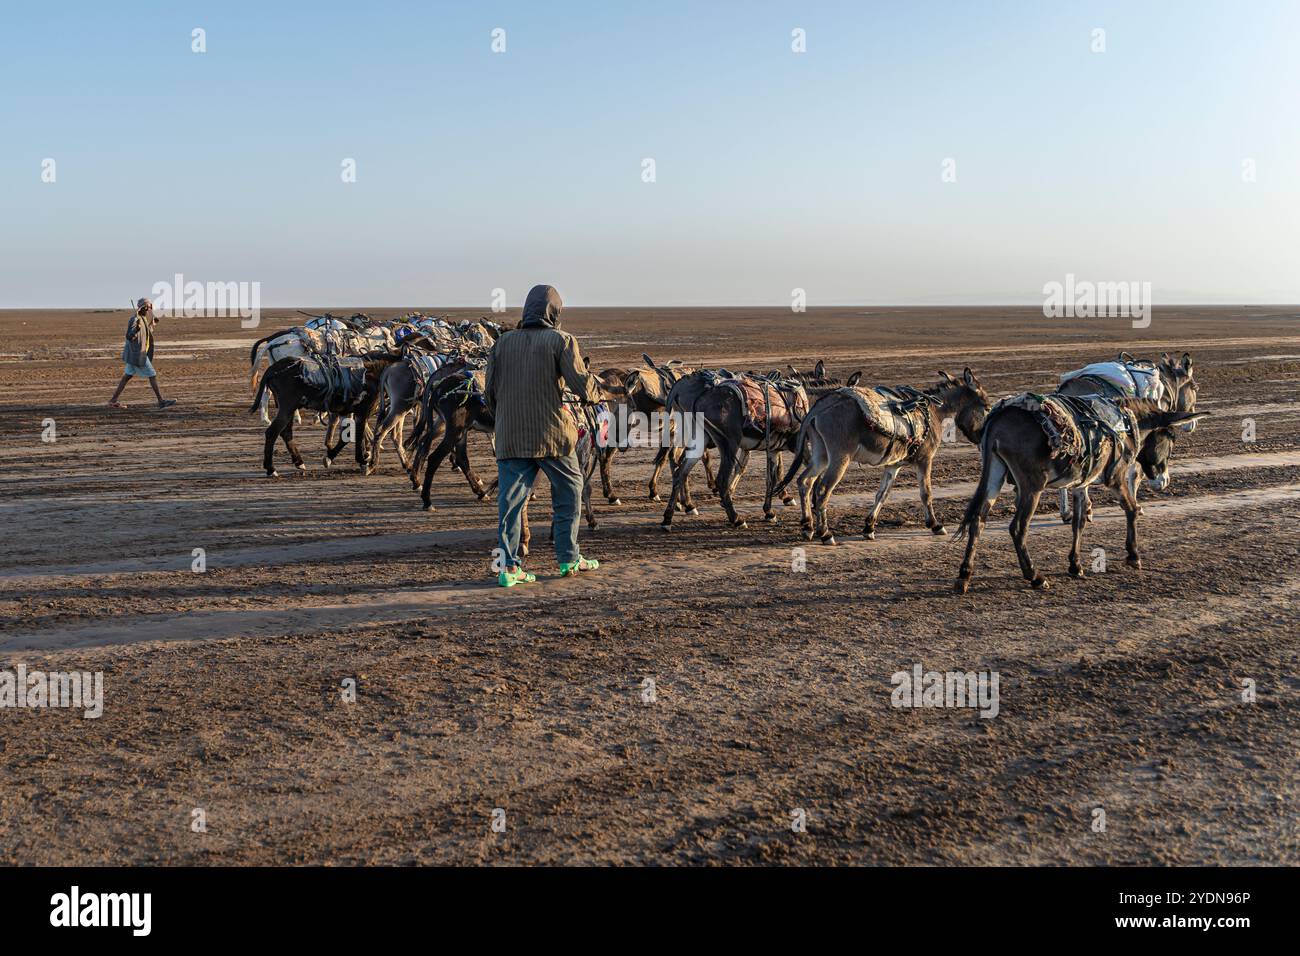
<point>1159,431</point>
<point>1178,379</point>
<point>967,401</point>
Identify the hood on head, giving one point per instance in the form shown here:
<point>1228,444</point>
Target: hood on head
<point>542,307</point>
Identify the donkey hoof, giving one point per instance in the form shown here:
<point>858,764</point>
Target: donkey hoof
<point>656,498</point>
<point>787,502</point>
<point>301,467</point>
<point>869,534</point>
<point>327,461</point>
<point>962,585</point>
<point>1076,573</point>
<point>428,506</point>
<point>666,527</point>
<point>1039,583</point>
<point>938,529</point>
<point>692,510</point>
<point>829,539</point>
<point>769,517</point>
<point>1066,519</point>
<point>273,474</point>
<point>806,534</point>
<point>615,501</point>
<point>1134,563</point>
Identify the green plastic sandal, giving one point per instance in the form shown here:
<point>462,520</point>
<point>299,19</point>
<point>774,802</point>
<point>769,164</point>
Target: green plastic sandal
<point>582,564</point>
<point>508,579</point>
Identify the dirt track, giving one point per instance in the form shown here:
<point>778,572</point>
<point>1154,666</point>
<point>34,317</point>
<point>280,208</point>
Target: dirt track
<point>222,689</point>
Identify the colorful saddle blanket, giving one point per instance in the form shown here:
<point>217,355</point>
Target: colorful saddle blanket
<point>593,419</point>
<point>770,404</point>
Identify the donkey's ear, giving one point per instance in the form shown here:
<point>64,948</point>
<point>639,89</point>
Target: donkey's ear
<point>968,377</point>
<point>854,379</point>
<point>947,378</point>
<point>1187,361</point>
<point>586,362</point>
<point>1169,419</point>
<point>820,369</point>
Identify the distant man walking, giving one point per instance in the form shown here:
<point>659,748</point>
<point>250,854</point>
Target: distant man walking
<point>137,353</point>
<point>526,374</point>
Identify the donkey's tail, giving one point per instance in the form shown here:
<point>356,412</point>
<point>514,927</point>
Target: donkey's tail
<point>259,352</point>
<point>256,349</point>
<point>981,489</point>
<point>257,398</point>
<point>800,446</point>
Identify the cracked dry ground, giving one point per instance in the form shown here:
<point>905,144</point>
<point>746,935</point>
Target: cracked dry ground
<point>772,687</point>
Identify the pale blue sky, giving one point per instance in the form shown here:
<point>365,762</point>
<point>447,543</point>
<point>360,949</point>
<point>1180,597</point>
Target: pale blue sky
<point>775,170</point>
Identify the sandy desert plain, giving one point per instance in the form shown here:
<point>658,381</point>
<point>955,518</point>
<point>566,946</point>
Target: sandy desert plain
<point>1122,691</point>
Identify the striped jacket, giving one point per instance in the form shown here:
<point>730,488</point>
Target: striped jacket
<point>526,374</point>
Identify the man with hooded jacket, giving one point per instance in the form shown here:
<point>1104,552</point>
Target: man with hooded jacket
<point>526,374</point>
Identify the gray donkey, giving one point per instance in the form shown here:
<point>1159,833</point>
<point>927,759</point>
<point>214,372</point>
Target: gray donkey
<point>1071,443</point>
<point>1127,377</point>
<point>888,428</point>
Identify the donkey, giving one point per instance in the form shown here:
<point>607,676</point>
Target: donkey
<point>402,387</point>
<point>1116,439</point>
<point>887,428</point>
<point>323,335</point>
<point>646,391</point>
<point>461,406</point>
<point>1172,381</point>
<point>728,409</point>
<point>453,406</point>
<point>348,387</point>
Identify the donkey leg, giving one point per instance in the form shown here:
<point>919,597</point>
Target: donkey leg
<point>660,457</point>
<point>292,446</point>
<point>1026,504</point>
<point>886,483</point>
<point>708,472</point>
<point>825,487</point>
<point>787,499</point>
<point>812,471</point>
<point>431,465</point>
<point>587,475</point>
<point>681,469</point>
<point>727,468</point>
<point>332,450</point>
<point>773,478</point>
<point>1063,505</point>
<point>273,431</point>
<point>605,458</point>
<point>1128,501</point>
<point>685,500</point>
<point>461,457</point>
<point>805,481</point>
<point>922,469</point>
<point>992,479</point>
<point>1077,521</point>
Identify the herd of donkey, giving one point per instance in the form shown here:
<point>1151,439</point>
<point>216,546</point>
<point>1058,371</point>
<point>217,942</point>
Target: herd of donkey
<point>1110,423</point>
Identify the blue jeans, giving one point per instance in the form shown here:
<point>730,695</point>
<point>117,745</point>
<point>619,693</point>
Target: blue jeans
<point>515,477</point>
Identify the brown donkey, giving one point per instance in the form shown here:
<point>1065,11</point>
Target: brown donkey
<point>885,427</point>
<point>1071,443</point>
